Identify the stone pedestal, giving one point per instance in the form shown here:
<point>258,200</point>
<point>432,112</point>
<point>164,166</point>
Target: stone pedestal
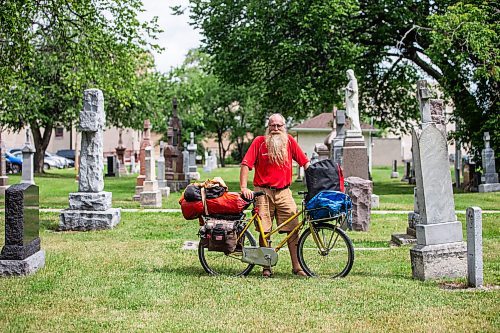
<point>410,237</point>
<point>360,191</point>
<point>439,261</point>
<point>355,156</point>
<point>489,187</point>
<point>23,267</point>
<point>89,211</point>
<point>150,195</point>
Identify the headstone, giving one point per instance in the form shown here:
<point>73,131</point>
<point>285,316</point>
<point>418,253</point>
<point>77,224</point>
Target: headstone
<point>151,195</point>
<point>90,208</point>
<point>322,150</point>
<point>206,166</point>
<point>145,142</point>
<point>474,247</point>
<point>21,254</point>
<point>4,180</point>
<point>174,161</point>
<point>440,251</point>
<point>489,180</point>
<point>458,162</point>
<point>410,237</point>
<point>360,191</point>
<point>212,161</point>
<point>192,148</point>
<point>112,171</point>
<point>338,142</point>
<point>355,156</point>
<point>120,153</point>
<point>28,166</point>
<point>375,201</point>
<point>395,173</point>
<point>406,176</point>
<point>160,173</point>
<point>185,161</point>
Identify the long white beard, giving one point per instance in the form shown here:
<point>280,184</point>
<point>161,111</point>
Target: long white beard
<point>277,148</point>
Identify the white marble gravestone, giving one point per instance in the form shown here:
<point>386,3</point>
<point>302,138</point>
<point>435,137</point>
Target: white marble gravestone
<point>440,251</point>
<point>90,207</point>
<point>489,178</point>
<point>160,173</point>
<point>151,195</point>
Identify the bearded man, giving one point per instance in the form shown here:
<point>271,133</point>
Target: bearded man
<point>272,155</point>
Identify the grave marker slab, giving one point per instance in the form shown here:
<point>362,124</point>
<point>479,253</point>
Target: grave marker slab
<point>21,254</point>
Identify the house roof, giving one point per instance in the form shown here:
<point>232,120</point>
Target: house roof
<point>322,122</point>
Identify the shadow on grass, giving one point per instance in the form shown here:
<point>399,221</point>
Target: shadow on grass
<point>392,188</point>
<point>381,275</point>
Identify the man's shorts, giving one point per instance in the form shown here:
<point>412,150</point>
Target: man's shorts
<point>276,203</point>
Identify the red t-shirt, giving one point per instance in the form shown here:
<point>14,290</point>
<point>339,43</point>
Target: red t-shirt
<point>266,173</point>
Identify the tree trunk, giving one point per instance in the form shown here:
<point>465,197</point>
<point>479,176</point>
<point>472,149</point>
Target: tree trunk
<point>41,141</point>
<point>221,150</point>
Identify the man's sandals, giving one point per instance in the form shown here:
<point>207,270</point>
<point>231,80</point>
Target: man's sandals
<point>267,272</point>
<point>298,272</point>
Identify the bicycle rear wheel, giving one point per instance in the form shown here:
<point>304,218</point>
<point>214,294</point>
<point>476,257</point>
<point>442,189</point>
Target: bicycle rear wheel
<point>334,259</point>
<point>217,263</point>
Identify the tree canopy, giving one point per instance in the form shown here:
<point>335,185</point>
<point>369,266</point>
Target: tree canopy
<point>298,52</point>
<point>56,49</point>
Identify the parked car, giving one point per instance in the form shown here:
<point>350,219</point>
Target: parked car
<point>13,163</point>
<point>67,153</point>
<point>47,162</point>
<point>61,161</point>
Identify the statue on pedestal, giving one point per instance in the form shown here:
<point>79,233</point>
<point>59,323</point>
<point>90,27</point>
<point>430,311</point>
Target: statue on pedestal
<point>351,101</point>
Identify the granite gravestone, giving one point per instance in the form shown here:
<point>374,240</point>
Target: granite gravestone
<point>489,180</point>
<point>160,174</point>
<point>120,154</point>
<point>440,251</point>
<point>21,254</point>
<point>145,142</point>
<point>406,176</point>
<point>360,191</point>
<point>338,142</point>
<point>174,163</point>
<point>395,173</point>
<point>474,247</point>
<point>151,195</point>
<point>4,180</point>
<point>90,208</point>
<point>112,163</point>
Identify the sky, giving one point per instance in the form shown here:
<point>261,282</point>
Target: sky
<point>177,36</point>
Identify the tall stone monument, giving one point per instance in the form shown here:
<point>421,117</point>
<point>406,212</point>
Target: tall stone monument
<point>489,179</point>
<point>160,173</point>
<point>120,153</point>
<point>28,151</point>
<point>21,254</point>
<point>90,208</point>
<point>145,142</point>
<point>151,195</point>
<point>355,153</point>
<point>395,173</point>
<point>174,164</point>
<point>192,149</point>
<point>4,180</point>
<point>440,251</point>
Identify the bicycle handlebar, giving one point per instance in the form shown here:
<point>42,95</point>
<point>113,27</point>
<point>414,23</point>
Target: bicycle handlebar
<point>255,195</point>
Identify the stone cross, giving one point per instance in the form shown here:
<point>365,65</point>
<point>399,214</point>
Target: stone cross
<point>92,121</point>
<point>474,247</point>
<point>28,152</point>
<point>423,96</point>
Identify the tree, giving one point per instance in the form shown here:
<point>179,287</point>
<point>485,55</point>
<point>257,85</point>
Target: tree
<point>299,51</point>
<point>62,48</point>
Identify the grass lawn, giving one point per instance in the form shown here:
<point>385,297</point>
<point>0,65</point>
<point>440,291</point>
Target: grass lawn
<point>137,278</point>
<point>394,194</point>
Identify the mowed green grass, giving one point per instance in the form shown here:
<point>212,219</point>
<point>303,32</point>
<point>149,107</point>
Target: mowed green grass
<point>136,277</point>
<point>394,194</point>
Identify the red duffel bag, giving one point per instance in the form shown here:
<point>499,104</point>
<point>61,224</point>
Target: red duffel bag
<point>230,203</point>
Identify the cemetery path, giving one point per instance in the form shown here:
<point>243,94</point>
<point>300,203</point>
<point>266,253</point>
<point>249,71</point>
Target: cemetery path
<point>167,210</point>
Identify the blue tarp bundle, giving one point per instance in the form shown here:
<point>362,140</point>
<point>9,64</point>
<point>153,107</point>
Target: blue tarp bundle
<point>332,202</point>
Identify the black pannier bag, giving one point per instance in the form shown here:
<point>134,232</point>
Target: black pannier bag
<point>220,234</point>
<point>193,192</point>
<point>325,175</point>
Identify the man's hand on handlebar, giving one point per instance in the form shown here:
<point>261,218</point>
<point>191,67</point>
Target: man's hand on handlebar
<point>247,193</point>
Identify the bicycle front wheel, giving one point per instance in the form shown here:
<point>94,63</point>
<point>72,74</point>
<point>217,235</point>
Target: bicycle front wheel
<point>218,263</point>
<point>325,251</point>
